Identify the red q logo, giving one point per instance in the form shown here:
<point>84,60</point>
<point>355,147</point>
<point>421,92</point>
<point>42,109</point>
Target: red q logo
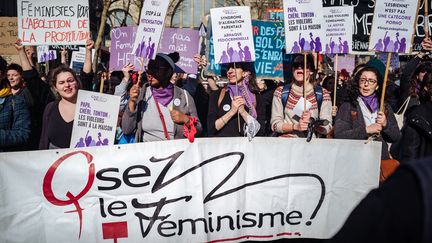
<point>49,194</point>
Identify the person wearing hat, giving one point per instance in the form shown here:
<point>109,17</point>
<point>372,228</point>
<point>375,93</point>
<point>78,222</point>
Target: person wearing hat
<point>14,116</point>
<point>159,110</point>
<point>360,118</point>
<point>288,117</point>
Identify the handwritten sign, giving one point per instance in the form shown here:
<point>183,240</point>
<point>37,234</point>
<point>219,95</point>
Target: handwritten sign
<point>150,28</point>
<point>121,49</point>
<point>304,24</point>
<point>66,47</point>
<point>44,54</point>
<point>60,22</point>
<point>213,190</point>
<point>338,29</point>
<point>183,41</point>
<point>393,26</point>
<point>95,119</point>
<point>8,35</point>
<point>232,34</point>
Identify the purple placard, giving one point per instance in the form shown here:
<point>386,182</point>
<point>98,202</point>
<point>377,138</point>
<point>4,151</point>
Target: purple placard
<point>185,42</point>
<point>122,40</point>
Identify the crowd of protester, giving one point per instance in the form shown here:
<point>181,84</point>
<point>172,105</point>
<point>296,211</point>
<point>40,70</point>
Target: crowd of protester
<point>164,103</point>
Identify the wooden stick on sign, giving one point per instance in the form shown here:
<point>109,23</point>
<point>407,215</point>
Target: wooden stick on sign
<point>384,85</point>
<point>304,80</point>
<point>335,79</point>
<point>238,113</point>
<point>426,17</point>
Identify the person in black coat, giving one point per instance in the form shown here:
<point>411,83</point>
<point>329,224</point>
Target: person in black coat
<point>417,133</point>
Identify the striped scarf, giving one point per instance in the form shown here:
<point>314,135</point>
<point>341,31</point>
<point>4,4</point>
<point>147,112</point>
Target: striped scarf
<point>5,90</point>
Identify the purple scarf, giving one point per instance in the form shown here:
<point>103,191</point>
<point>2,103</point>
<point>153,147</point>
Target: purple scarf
<point>164,95</point>
<point>371,102</point>
<point>244,91</point>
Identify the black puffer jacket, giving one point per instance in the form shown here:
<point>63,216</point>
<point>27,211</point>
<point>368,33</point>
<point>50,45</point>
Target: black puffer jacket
<point>417,133</point>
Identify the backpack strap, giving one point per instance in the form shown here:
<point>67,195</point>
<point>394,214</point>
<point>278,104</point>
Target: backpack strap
<point>221,96</point>
<point>319,96</point>
<point>284,95</point>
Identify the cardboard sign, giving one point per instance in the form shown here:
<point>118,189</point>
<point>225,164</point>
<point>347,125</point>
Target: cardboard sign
<point>232,34</point>
<point>150,28</point>
<point>304,25</point>
<point>393,26</point>
<point>60,22</point>
<point>212,190</point>
<point>44,54</point>
<point>183,41</point>
<point>8,35</point>
<point>338,29</point>
<point>95,119</point>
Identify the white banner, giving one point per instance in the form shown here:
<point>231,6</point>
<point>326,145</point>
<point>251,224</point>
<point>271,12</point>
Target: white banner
<point>339,23</point>
<point>150,28</point>
<point>215,189</point>
<point>95,119</point>
<point>47,22</point>
<point>304,26</point>
<point>232,34</point>
<point>393,26</point>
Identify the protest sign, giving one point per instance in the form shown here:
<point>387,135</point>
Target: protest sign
<point>150,28</point>
<point>8,35</point>
<point>232,34</point>
<point>44,54</point>
<point>66,47</point>
<point>95,119</point>
<point>60,22</point>
<point>183,41</point>
<point>78,59</point>
<point>394,60</point>
<point>212,190</point>
<point>304,25</point>
<point>121,49</point>
<point>346,62</point>
<point>363,14</point>
<point>275,14</point>
<point>338,29</point>
<point>12,59</point>
<point>393,26</point>
<point>271,60</point>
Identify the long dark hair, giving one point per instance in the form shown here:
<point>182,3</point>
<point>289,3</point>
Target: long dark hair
<point>353,86</point>
<point>414,82</point>
<point>247,67</point>
<point>425,93</point>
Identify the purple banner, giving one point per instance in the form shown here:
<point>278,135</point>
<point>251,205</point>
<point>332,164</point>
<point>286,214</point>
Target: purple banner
<point>122,40</point>
<point>185,42</point>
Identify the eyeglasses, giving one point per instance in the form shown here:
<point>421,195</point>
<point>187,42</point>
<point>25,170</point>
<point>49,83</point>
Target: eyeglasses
<point>369,81</point>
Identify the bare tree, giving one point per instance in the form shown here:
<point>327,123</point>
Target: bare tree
<point>103,20</point>
<point>261,6</point>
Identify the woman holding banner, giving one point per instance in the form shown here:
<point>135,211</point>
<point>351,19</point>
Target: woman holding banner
<point>159,110</point>
<point>239,96</point>
<point>360,118</point>
<point>289,118</point>
<point>58,116</point>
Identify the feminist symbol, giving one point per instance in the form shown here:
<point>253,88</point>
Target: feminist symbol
<point>49,194</point>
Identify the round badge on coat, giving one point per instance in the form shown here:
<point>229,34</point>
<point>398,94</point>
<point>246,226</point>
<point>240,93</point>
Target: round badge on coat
<point>226,107</point>
<point>177,102</point>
